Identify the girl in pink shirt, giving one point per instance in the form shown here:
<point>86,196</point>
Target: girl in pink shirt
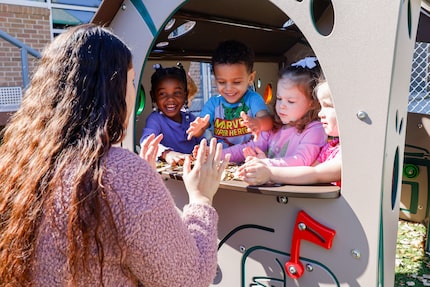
<point>297,135</point>
<point>327,167</point>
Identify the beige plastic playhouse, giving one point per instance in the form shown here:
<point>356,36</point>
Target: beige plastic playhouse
<point>307,235</point>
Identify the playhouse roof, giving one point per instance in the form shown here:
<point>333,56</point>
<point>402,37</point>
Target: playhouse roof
<point>260,26</point>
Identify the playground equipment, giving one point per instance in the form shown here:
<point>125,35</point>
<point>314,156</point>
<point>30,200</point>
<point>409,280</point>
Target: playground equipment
<point>300,235</point>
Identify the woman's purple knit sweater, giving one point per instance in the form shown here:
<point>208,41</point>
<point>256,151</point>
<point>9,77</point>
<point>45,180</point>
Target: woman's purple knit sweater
<point>160,246</point>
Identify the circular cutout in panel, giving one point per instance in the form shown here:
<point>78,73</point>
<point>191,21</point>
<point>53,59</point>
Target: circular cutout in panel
<point>162,44</point>
<point>288,23</point>
<point>170,24</point>
<point>182,30</point>
<point>322,14</point>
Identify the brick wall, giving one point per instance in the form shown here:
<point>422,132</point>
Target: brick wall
<point>199,100</point>
<point>30,25</point>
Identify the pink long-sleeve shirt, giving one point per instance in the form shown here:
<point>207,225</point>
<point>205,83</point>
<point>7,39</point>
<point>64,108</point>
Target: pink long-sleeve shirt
<point>161,246</point>
<point>285,147</point>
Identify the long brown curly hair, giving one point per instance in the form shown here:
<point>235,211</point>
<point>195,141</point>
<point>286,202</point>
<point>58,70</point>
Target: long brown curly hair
<point>72,113</point>
<point>306,80</point>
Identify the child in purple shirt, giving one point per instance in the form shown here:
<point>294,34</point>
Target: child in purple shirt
<point>169,93</point>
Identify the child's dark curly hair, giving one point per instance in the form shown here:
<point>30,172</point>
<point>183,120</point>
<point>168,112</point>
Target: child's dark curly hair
<point>161,73</point>
<point>234,52</point>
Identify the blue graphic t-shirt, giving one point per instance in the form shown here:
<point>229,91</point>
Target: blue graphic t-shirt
<point>225,121</point>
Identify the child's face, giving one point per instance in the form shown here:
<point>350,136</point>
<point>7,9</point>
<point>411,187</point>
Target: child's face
<point>232,81</point>
<point>327,112</point>
<point>170,97</point>
<point>291,102</point>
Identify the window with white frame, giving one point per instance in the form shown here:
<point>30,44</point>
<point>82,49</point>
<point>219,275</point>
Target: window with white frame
<point>64,13</point>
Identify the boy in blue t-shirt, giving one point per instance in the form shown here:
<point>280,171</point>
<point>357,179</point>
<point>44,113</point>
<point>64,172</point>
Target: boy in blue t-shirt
<point>238,112</point>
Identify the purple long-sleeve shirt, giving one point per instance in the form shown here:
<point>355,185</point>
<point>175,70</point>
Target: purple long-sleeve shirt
<point>285,147</point>
<point>174,134</point>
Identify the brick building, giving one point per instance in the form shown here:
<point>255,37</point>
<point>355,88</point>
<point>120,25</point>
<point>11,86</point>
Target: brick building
<point>26,27</point>
<point>29,25</point>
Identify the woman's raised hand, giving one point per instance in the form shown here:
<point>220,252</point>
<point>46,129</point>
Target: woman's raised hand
<point>202,180</point>
<point>149,149</point>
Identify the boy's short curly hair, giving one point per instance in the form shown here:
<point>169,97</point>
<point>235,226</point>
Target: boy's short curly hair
<point>234,52</point>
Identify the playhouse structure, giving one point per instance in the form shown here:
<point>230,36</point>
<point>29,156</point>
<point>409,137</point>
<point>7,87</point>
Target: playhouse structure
<point>303,235</point>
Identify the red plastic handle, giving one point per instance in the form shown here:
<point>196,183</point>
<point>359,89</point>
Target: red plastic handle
<point>309,229</point>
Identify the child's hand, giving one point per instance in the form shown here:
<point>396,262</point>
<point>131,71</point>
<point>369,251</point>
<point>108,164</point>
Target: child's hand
<point>175,158</point>
<point>196,151</point>
<point>252,124</point>
<point>254,171</point>
<point>197,125</point>
<point>258,153</point>
<point>149,149</point>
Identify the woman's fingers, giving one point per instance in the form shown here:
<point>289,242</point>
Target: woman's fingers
<point>224,163</point>
<point>211,157</point>
<point>201,152</point>
<point>149,146</point>
<point>187,165</point>
<point>145,144</point>
<point>149,149</point>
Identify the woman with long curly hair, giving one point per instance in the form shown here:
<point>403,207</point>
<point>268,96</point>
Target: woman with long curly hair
<point>77,210</point>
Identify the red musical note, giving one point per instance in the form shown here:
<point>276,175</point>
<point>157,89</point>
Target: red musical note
<point>306,228</point>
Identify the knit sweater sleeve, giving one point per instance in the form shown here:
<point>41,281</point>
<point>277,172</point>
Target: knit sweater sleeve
<point>162,247</point>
